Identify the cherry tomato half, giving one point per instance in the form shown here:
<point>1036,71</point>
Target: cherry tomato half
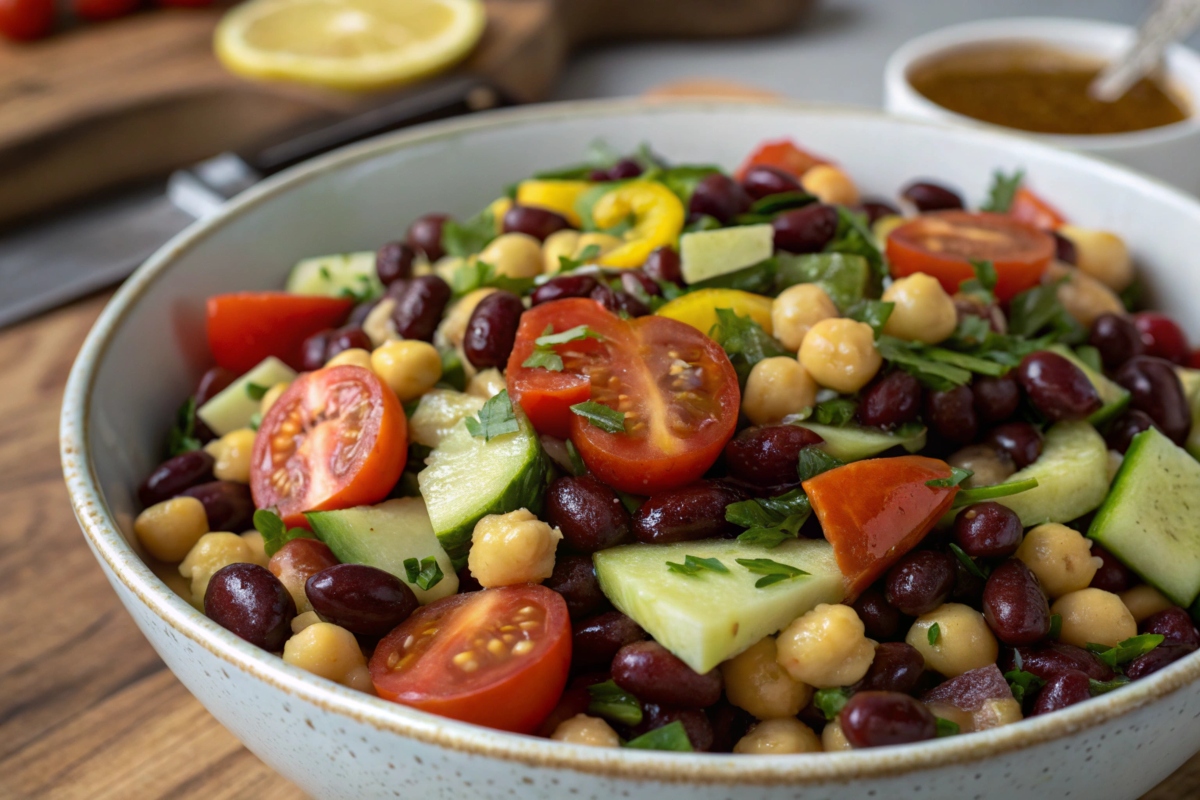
<point>498,657</point>
<point>25,20</point>
<point>246,327</point>
<point>675,386</point>
<point>782,154</point>
<point>1031,208</point>
<point>944,243</point>
<point>336,438</point>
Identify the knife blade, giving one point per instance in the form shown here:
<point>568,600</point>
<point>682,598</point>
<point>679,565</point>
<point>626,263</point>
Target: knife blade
<point>55,261</point>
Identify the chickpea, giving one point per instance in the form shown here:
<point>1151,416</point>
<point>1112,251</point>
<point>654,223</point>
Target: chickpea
<point>1083,297</point>
<point>923,311</point>
<point>1060,557</point>
<point>232,455</point>
<point>830,185</point>
<point>1143,601</point>
<point>778,737</point>
<point>963,642</point>
<point>833,738</point>
<point>585,730</point>
<point>378,325</point>
<point>353,357</point>
<point>168,530</point>
<point>797,309</point>
<point>486,384</point>
<point>840,354</point>
<point>1101,255</point>
<point>826,647</point>
<point>557,244</point>
<point>359,679</point>
<point>1094,615</point>
<point>989,465</point>
<point>777,387</point>
<point>211,552</point>
<point>303,620</point>
<point>996,712</point>
<point>325,649</point>
<point>512,548</point>
<point>258,548</point>
<point>453,327</point>
<point>514,255</point>
<point>755,682</point>
<point>410,367</point>
<point>271,395</point>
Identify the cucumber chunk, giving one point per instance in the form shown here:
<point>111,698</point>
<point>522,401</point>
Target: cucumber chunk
<point>709,617</point>
<point>466,479</point>
<point>336,276</point>
<point>1072,476</point>
<point>438,412</point>
<point>233,407</point>
<point>1114,396</point>
<point>384,536</point>
<point>706,254</point>
<point>1151,519</point>
<point>852,443</point>
<point>1190,378</point>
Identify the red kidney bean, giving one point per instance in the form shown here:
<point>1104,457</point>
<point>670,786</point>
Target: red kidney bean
<point>618,302</point>
<point>174,475</point>
<point>729,725</point>
<point>622,170</point>
<point>536,222</point>
<point>929,196</point>
<point>228,505</point>
<point>1162,656</point>
<point>1162,336</point>
<point>653,675</point>
<point>596,641</point>
<point>492,330</point>
<point>1014,605</point>
<point>988,530</point>
<point>881,620</point>
<point>1174,624</point>
<point>251,602</point>
<point>1155,389</point>
<point>313,349</point>
<point>1020,440</point>
<point>1113,576</point>
<point>563,286</point>
<point>663,265</point>
<point>951,414</point>
<point>768,455</point>
<point>920,581</point>
<point>878,719</point>
<point>1125,427</point>
<point>574,578</point>
<point>344,339</point>
<point>762,181</point>
<point>720,197</point>
<point>588,512</point>
<point>897,667</point>
<point>890,401</point>
<point>394,262</point>
<point>1062,690</point>
<point>1056,387</point>
<point>1053,658</point>
<point>212,383</point>
<point>996,398</point>
<point>968,587</point>
<point>1064,249</point>
<point>805,230</point>
<point>299,560</point>
<point>877,210</point>
<point>426,235</point>
<point>419,306</point>
<point>1117,339</point>
<point>635,280</point>
<point>695,511</point>
<point>359,314</point>
<point>362,599</point>
<point>695,724</point>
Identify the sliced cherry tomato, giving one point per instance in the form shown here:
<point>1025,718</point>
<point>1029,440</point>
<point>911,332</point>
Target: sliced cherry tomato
<point>25,20</point>
<point>337,438</point>
<point>1162,336</point>
<point>944,243</point>
<point>782,154</point>
<point>1030,208</point>
<point>96,10</point>
<point>675,386</point>
<point>498,657</point>
<point>875,511</point>
<point>246,327</point>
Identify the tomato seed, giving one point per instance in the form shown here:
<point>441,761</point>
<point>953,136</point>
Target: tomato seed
<point>496,647</point>
<point>522,647</point>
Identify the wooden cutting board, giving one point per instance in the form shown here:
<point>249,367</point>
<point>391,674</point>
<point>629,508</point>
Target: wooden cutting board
<point>132,99</point>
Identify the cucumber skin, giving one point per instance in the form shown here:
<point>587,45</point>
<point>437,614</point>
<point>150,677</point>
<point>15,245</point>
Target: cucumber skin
<point>1042,503</point>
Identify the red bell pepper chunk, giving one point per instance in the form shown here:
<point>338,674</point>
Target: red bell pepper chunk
<point>783,154</point>
<point>875,511</point>
<point>246,327</point>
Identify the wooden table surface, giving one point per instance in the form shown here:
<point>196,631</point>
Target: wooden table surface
<point>87,710</point>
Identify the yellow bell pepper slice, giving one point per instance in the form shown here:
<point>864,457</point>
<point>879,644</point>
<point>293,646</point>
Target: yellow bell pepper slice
<point>699,308</point>
<point>658,218</point>
<point>556,196</point>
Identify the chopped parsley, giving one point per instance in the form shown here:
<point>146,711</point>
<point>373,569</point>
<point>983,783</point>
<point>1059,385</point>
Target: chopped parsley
<point>971,565</point>
<point>425,573</point>
<point>983,285</point>
<point>464,239</point>
<point>935,633</point>
<point>837,412</point>
<point>744,341</point>
<point>1022,683</point>
<point>1127,650</point>
<point>772,571</point>
<point>476,274</point>
<point>600,416</point>
<point>854,237</point>
<point>182,436</point>
<point>1003,191</point>
<point>614,703</point>
<point>814,461</point>
<point>1103,687</point>
<point>977,494</point>
<point>585,257</point>
<point>830,701</point>
<point>255,391</point>
<point>957,476</point>
<point>1037,311</point>
<point>1055,626</point>
<point>694,565</point>
<point>496,418</point>
<point>578,468</point>
<point>947,727</point>
<point>910,357</point>
<point>873,312</point>
<point>546,357</point>
<point>275,534</point>
<point>771,521</point>
<point>668,737</point>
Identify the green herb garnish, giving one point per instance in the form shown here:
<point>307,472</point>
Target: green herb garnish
<point>545,356</point>
<point>771,521</point>
<point>966,497</point>
<point>814,461</point>
<point>476,274</point>
<point>1103,687</point>
<point>464,239</point>
<point>983,284</point>
<point>1003,191</point>
<point>1055,626</point>
<point>496,418</point>
<point>854,237</point>
<point>830,701</point>
<point>772,571</point>
<point>947,727</point>
<point>935,633</point>
<point>744,341</point>
<point>612,702</point>
<point>910,357</point>
<point>971,565</point>
<point>693,565</point>
<point>837,412</point>
<point>425,573</point>
<point>1127,650</point>
<point>586,256</point>
<point>182,436</point>
<point>600,416</point>
<point>275,534</point>
<point>668,737</point>
<point>957,476</point>
<point>873,312</point>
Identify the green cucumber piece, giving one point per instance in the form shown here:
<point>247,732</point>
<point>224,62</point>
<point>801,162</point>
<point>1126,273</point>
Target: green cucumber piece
<point>1114,396</point>
<point>385,536</point>
<point>709,617</point>
<point>1151,519</point>
<point>843,276</point>
<point>336,276</point>
<point>707,254</point>
<point>1072,476</point>
<point>233,407</point>
<point>466,479</point>
<point>852,443</point>
<point>1190,379</point>
<point>438,412</point>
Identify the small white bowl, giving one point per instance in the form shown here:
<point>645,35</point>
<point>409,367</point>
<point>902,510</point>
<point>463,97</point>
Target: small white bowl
<point>1169,152</point>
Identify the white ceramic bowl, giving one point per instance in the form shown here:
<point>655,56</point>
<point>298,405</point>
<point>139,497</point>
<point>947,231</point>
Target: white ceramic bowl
<point>1169,152</point>
<point>148,348</point>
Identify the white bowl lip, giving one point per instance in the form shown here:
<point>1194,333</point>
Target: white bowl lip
<point>108,544</point>
<point>1182,65</point>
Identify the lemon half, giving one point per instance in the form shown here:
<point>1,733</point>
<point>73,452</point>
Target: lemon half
<point>348,44</point>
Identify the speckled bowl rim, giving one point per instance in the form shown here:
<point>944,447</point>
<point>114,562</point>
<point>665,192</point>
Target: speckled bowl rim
<point>110,547</point>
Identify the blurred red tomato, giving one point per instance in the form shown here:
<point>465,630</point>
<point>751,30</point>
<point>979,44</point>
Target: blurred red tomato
<point>96,10</point>
<point>23,20</point>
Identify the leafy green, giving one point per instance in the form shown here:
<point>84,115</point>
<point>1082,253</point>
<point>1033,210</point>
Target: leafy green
<point>182,436</point>
<point>612,702</point>
<point>910,357</point>
<point>1090,356</point>
<point>475,274</point>
<point>1127,650</point>
<point>813,461</point>
<point>947,727</point>
<point>496,418</point>
<point>694,565</point>
<point>957,476</point>
<point>1004,189</point>
<point>546,357</point>
<point>837,412</point>
<point>966,497</point>
<point>1037,311</point>
<point>830,701</point>
<point>971,363</point>
<point>453,373</point>
<point>577,466</point>
<point>585,257</point>
<point>971,565</point>
<point>854,237</point>
<point>256,391</point>
<point>772,571</point>
<point>934,634</point>
<point>1055,626</point>
<point>275,534</point>
<point>255,421</point>
<point>744,341</point>
<point>772,204</point>
<point>668,737</point>
<point>873,312</point>
<point>467,238</point>
<point>757,278</point>
<point>983,285</point>
<point>702,222</point>
<point>600,416</point>
<point>1096,687</point>
<point>844,277</point>
<point>425,573</point>
<point>769,522</point>
<point>1022,683</point>
<point>683,179</point>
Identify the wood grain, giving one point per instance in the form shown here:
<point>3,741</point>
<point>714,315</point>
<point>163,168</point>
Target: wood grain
<point>87,710</point>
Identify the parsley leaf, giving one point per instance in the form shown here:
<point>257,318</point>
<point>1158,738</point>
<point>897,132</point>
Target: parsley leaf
<point>971,565</point>
<point>1004,189</point>
<point>772,571</point>
<point>467,238</point>
<point>772,204</point>
<point>578,468</point>
<point>744,341</point>
<point>1038,310</point>
<point>873,312</point>
<point>910,358</point>
<point>545,356</point>
<point>182,436</point>
<point>772,521</point>
<point>947,727</point>
<point>1055,626</point>
<point>693,565</point>
<point>612,702</point>
<point>255,421</point>
<point>968,362</point>
<point>1096,687</point>
<point>275,534</point>
<point>836,412</point>
<point>983,284</point>
<point>935,633</point>
<point>600,416</point>
<point>1022,683</point>
<point>966,497</point>
<point>957,476</point>
<point>683,179</point>
<point>476,274</point>
<point>844,277</point>
<point>814,461</point>
<point>702,222</point>
<point>496,418</point>
<point>256,391</point>
<point>1127,650</point>
<point>668,737</point>
<point>830,701</point>
<point>425,573</point>
<point>854,237</point>
<point>585,257</point>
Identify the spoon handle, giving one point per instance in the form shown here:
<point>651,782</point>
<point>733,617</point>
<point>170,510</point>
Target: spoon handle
<point>1170,21</point>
